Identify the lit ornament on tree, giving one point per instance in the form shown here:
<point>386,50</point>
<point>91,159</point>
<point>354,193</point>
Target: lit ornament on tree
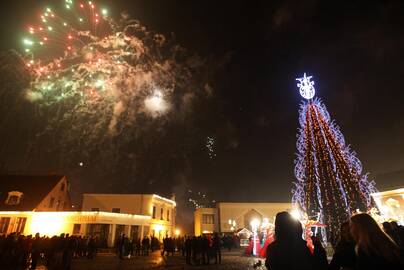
<point>330,184</point>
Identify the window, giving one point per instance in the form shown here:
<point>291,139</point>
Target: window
<point>154,212</point>
<point>95,209</point>
<point>4,222</point>
<point>20,224</point>
<point>14,197</point>
<point>52,202</point>
<point>168,215</point>
<point>146,230</point>
<point>62,187</point>
<point>116,210</point>
<point>12,200</point>
<point>76,228</point>
<point>57,205</point>
<point>208,219</point>
<point>162,213</point>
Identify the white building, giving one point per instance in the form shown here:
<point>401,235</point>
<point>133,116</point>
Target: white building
<point>32,204</point>
<point>232,217</point>
<point>160,210</point>
<point>391,204</point>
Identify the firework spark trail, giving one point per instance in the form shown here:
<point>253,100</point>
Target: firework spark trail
<point>100,83</point>
<point>210,145</point>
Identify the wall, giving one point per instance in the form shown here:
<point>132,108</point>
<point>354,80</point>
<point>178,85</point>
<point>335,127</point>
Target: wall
<point>139,204</point>
<point>200,227</point>
<point>240,211</point>
<point>56,223</point>
<point>61,198</point>
<point>391,204</point>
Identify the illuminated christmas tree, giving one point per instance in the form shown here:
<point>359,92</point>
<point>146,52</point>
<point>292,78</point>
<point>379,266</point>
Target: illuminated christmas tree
<point>330,184</point>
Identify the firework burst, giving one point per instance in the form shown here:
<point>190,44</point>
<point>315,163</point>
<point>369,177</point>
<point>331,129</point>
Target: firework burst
<point>101,82</point>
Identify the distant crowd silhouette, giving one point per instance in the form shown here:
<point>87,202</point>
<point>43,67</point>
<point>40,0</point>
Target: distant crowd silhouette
<point>21,252</point>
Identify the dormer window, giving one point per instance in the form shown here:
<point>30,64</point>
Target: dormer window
<point>14,198</point>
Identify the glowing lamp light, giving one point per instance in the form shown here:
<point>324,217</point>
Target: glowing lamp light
<point>28,42</point>
<point>104,12</point>
<point>177,232</point>
<point>254,223</point>
<point>158,228</point>
<point>306,86</point>
<point>295,214</point>
<point>48,223</point>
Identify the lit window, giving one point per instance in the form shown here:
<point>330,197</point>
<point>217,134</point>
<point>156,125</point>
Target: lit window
<point>4,222</point>
<point>76,229</point>
<point>14,198</point>
<point>208,219</point>
<point>20,224</point>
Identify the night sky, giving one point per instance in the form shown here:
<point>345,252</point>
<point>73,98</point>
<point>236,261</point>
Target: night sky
<point>254,51</point>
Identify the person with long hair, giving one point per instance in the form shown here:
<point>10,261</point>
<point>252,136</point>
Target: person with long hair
<point>374,248</point>
<point>289,251</point>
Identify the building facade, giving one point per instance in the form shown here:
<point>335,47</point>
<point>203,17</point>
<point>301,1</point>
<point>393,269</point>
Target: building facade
<point>30,193</point>
<point>160,210</point>
<point>391,204</point>
<point>233,217</point>
<point>31,204</point>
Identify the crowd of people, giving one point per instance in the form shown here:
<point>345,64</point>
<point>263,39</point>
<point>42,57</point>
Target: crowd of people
<point>199,250</point>
<point>128,247</point>
<point>363,245</point>
<point>24,252</point>
<point>202,249</point>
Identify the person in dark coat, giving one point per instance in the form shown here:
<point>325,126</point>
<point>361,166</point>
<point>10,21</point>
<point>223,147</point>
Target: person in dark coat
<point>374,248</point>
<point>205,249</point>
<point>121,246</point>
<point>319,255</point>
<point>188,250</point>
<point>344,253</point>
<point>36,250</point>
<point>216,248</point>
<point>289,251</point>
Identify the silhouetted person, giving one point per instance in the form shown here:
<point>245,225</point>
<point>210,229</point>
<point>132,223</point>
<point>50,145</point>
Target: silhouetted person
<point>188,250</point>
<point>319,255</point>
<point>344,253</point>
<point>146,245</point>
<point>374,248</point>
<point>289,251</point>
<point>36,250</point>
<point>121,246</point>
<point>216,248</point>
<point>205,249</point>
